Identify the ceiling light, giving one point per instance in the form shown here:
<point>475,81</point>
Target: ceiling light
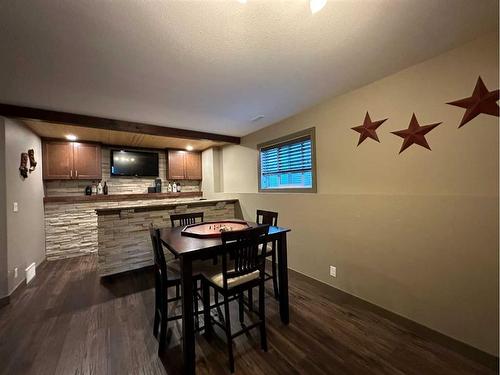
<point>242,1</point>
<point>189,148</point>
<point>71,137</point>
<point>317,5</point>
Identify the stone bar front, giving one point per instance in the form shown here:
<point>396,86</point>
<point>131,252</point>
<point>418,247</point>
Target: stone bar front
<point>123,233</point>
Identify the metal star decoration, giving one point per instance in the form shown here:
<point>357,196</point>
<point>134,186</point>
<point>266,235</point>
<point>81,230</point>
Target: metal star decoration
<point>415,134</point>
<point>481,101</point>
<point>368,129</point>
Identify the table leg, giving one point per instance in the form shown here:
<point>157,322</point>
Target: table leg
<point>188,351</point>
<point>283,279</point>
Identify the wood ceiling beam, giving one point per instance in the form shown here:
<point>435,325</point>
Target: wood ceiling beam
<point>67,118</point>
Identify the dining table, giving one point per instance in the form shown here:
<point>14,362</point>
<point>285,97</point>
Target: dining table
<point>189,249</point>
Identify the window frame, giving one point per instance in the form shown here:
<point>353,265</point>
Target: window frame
<point>309,133</point>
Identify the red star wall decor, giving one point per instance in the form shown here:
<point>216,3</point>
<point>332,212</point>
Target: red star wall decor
<point>415,134</point>
<point>368,129</point>
<point>481,101</point>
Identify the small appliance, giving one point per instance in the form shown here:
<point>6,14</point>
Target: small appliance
<point>158,185</point>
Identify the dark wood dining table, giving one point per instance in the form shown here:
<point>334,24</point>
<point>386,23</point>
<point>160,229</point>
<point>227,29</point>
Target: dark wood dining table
<point>189,249</point>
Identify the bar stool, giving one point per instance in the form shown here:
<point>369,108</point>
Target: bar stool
<point>242,269</point>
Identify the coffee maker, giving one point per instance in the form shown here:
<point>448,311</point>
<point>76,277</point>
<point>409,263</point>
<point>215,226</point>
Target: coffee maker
<point>158,185</point>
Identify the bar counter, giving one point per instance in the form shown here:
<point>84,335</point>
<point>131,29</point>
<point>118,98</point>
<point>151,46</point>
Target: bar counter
<point>123,242</point>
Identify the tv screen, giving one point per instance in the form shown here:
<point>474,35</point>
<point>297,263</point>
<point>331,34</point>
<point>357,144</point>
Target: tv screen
<point>134,163</point>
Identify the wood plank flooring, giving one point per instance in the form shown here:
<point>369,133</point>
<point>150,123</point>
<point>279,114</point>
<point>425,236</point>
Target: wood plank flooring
<point>69,322</point>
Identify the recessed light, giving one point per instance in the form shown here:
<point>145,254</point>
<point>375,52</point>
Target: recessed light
<point>317,5</point>
<point>71,137</point>
<point>189,148</point>
<point>242,1</point>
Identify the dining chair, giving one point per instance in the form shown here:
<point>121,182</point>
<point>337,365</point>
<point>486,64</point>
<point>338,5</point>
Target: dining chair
<point>242,269</point>
<point>167,275</point>
<point>178,220</point>
<point>270,218</point>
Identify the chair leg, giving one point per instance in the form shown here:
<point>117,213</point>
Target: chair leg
<point>274,273</point>
<point>227,320</point>
<point>250,299</point>
<point>163,325</point>
<point>240,307</point>
<point>195,305</point>
<point>156,323</point>
<point>206,309</point>
<point>262,316</point>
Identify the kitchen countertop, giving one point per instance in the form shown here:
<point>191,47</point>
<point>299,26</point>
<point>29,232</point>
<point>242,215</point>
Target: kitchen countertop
<point>176,202</point>
<point>118,197</point>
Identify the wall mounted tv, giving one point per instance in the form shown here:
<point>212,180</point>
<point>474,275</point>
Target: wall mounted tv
<point>134,163</point>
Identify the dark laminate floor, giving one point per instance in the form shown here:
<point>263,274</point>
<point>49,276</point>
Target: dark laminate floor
<point>68,322</point>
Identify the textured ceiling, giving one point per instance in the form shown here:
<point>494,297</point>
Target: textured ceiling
<point>214,65</point>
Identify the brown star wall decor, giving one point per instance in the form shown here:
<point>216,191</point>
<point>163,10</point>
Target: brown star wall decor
<point>415,134</point>
<point>481,101</point>
<point>368,129</point>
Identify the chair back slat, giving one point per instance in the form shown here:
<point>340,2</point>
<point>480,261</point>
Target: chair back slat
<point>180,220</point>
<point>267,217</point>
<point>242,249</point>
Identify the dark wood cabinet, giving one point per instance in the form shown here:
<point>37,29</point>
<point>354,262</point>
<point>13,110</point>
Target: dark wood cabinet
<point>71,161</point>
<point>57,161</point>
<point>184,165</point>
<point>176,165</point>
<point>193,166</point>
<point>87,161</point>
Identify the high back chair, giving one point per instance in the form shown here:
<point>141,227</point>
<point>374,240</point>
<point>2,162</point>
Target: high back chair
<point>180,220</point>
<point>166,276</point>
<point>242,269</point>
<point>270,218</point>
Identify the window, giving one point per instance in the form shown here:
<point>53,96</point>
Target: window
<point>288,163</point>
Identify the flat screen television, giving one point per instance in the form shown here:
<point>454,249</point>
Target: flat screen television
<point>134,163</point>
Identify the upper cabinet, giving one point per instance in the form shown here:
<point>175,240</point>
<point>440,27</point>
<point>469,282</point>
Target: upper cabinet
<point>71,161</point>
<point>184,165</point>
<point>193,165</point>
<point>176,165</point>
<point>87,161</point>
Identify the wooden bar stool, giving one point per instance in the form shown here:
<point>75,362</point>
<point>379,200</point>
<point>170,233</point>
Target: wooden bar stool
<point>270,218</point>
<point>167,275</point>
<point>180,220</point>
<point>242,269</point>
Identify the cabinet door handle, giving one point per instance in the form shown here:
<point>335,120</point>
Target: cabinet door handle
<point>76,173</point>
<point>71,173</point>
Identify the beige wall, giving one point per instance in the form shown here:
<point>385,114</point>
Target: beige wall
<point>25,228</point>
<point>4,291</point>
<point>415,233</point>
<point>210,159</point>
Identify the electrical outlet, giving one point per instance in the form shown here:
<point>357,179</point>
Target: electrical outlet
<point>15,273</point>
<point>15,207</point>
<point>333,271</point>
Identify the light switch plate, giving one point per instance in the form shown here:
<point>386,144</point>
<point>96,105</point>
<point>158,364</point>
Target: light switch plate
<point>15,207</point>
<point>333,271</point>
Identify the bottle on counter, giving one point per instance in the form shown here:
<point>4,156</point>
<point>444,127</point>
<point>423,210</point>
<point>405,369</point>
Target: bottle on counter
<point>174,188</point>
<point>169,188</point>
<point>105,188</point>
<point>94,188</point>
<point>99,188</point>
<point>178,187</point>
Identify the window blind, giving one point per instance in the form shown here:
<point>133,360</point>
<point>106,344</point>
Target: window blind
<point>287,165</point>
